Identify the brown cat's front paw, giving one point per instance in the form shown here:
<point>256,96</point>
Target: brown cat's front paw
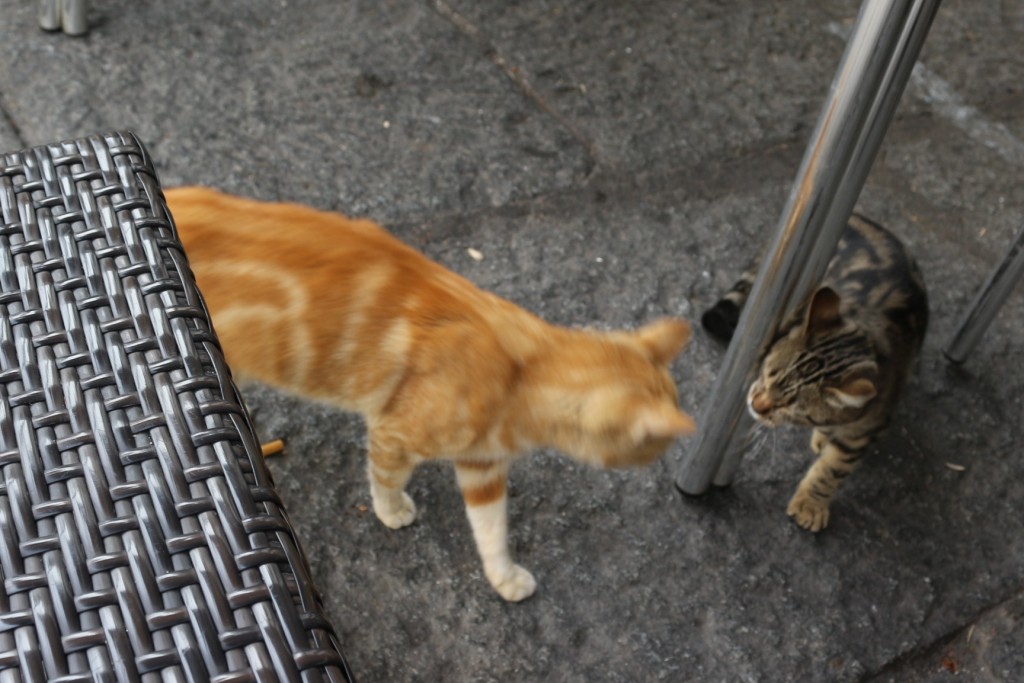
<point>808,512</point>
<point>516,584</point>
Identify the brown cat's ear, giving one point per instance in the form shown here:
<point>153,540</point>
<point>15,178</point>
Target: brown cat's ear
<point>823,313</point>
<point>857,389</point>
<point>664,338</point>
<point>661,421</point>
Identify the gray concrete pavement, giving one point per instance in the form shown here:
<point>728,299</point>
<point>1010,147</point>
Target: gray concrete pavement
<point>613,162</point>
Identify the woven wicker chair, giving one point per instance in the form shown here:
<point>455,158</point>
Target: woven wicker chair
<point>141,537</point>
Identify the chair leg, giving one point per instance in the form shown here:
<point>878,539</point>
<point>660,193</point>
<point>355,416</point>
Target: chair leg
<point>49,15</point>
<point>979,315</point>
<point>882,49</point>
<point>69,15</point>
<point>73,17</point>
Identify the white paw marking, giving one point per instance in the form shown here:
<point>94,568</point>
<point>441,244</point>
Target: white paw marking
<point>517,584</point>
<point>401,515</point>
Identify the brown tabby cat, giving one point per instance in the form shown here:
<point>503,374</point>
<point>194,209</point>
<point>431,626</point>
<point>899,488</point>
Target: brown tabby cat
<point>839,362</point>
<point>340,311</point>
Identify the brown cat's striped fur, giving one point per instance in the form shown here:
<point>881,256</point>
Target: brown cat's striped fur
<point>838,364</point>
<point>340,311</point>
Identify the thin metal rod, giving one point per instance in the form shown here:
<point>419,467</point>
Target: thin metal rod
<point>976,319</point>
<point>809,229</point>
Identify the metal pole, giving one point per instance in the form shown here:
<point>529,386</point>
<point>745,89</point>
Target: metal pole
<point>976,319</point>
<point>885,42</point>
<point>887,97</point>
<point>917,22</point>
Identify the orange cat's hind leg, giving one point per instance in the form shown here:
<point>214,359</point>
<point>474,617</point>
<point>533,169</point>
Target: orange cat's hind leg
<point>483,486</point>
<point>389,472</point>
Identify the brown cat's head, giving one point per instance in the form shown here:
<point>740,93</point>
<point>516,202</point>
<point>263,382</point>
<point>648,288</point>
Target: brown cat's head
<point>821,373</point>
<point>608,399</point>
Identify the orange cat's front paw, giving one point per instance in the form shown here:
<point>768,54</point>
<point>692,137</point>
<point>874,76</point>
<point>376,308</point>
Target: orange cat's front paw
<point>808,512</point>
<point>515,584</point>
<point>400,513</point>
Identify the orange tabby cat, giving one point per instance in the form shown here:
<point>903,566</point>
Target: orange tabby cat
<point>340,311</point>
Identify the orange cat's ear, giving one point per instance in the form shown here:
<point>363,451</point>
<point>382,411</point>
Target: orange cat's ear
<point>823,313</point>
<point>664,338</point>
<point>661,421</point>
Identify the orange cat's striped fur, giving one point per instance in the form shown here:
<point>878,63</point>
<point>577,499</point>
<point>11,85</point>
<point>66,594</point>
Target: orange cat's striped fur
<point>340,311</point>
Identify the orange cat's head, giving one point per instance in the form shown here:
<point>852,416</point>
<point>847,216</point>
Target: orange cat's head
<point>608,399</point>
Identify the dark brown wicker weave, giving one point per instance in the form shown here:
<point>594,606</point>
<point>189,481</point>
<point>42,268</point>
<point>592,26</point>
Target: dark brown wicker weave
<point>142,538</point>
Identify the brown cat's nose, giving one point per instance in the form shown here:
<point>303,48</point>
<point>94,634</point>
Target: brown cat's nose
<point>760,403</point>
